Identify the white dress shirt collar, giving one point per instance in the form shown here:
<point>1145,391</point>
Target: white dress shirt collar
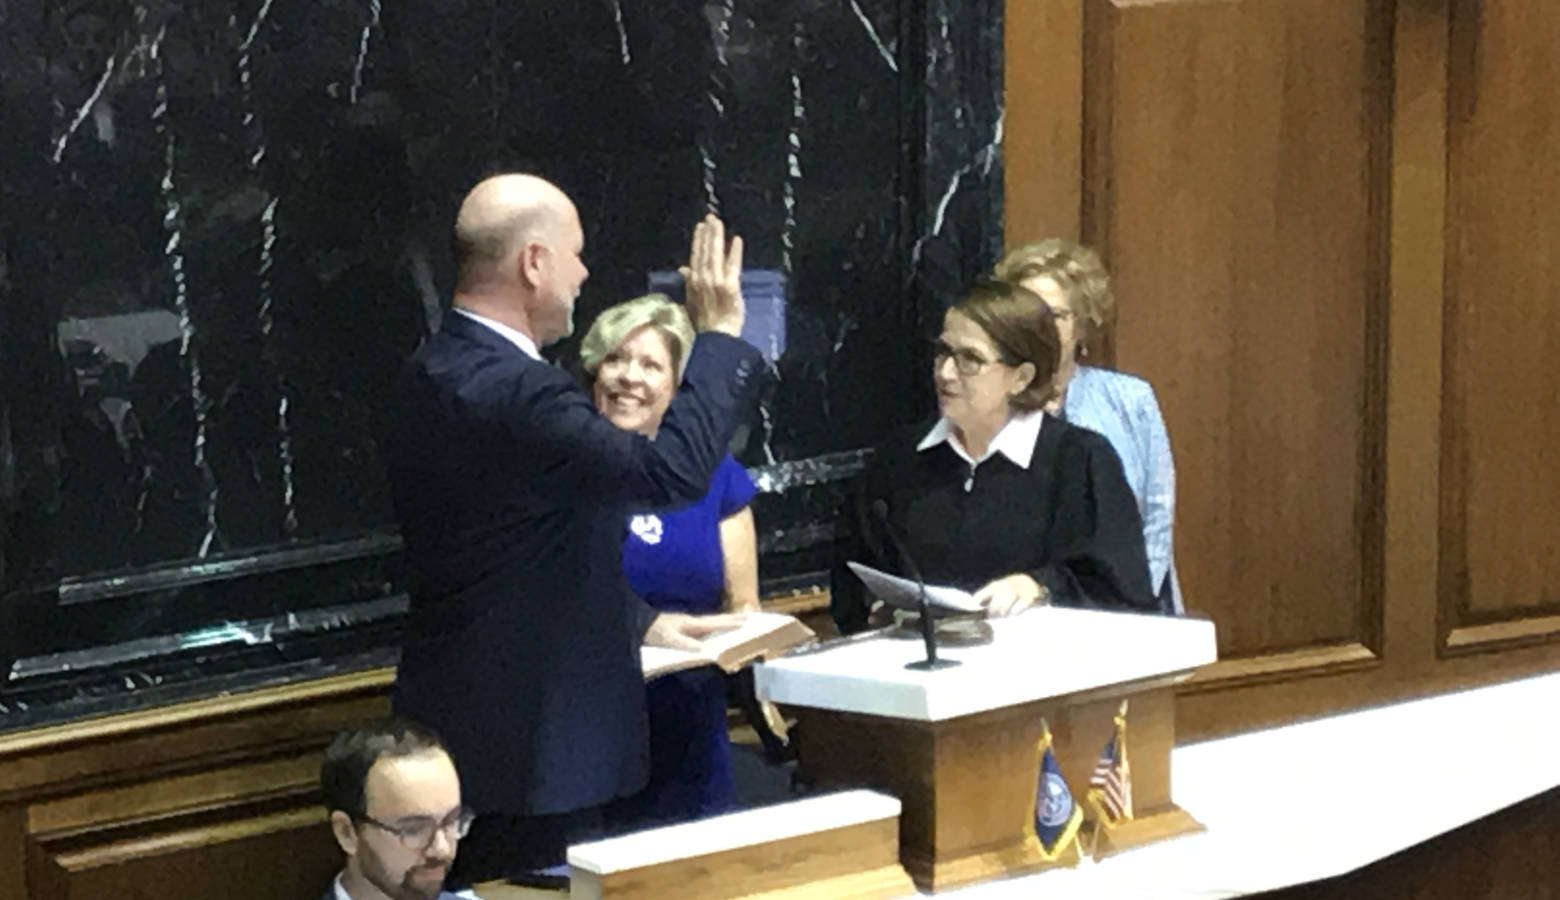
<point>519,339</point>
<point>341,893</point>
<point>1015,439</point>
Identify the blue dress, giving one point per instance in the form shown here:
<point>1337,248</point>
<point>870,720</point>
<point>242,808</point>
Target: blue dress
<point>673,560</point>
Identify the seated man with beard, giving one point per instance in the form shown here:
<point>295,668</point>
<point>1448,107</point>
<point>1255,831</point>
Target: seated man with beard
<point>395,809</point>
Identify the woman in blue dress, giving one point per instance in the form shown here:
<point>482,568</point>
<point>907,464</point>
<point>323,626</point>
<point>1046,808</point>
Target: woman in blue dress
<point>695,559</point>
<point>1071,280</point>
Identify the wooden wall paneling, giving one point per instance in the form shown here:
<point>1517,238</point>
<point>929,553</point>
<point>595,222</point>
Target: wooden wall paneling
<point>13,853</point>
<point>1042,128</point>
<point>293,778</point>
<point>1418,263</point>
<point>1420,613</point>
<point>215,797</point>
<point>44,880</point>
<point>1236,165</point>
<point>1099,199</point>
<point>280,856</point>
<point>1500,470</point>
<point>189,735</point>
<point>1268,689</point>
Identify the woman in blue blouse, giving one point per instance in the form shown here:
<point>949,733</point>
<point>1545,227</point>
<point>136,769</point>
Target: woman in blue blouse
<point>1073,282</point>
<point>696,559</point>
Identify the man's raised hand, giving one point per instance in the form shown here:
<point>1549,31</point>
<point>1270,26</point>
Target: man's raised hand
<point>714,279</point>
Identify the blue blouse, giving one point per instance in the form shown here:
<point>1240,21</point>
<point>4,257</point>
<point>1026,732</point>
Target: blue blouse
<point>1124,409</point>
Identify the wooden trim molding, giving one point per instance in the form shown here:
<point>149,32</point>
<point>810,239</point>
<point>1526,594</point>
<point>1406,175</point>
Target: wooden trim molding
<point>120,852</point>
<point>57,737</point>
<point>1327,659</point>
<point>293,779</point>
<point>1501,635</point>
<point>798,603</point>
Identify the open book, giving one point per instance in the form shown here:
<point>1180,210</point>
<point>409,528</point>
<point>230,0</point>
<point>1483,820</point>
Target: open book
<point>902,593</point>
<point>762,633</point>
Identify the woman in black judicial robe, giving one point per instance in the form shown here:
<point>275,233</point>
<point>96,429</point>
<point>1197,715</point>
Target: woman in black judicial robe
<point>993,495</point>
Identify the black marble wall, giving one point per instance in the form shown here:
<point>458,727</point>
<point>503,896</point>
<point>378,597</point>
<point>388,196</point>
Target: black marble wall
<point>224,224</point>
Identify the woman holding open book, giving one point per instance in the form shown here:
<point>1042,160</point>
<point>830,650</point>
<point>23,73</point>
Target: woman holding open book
<point>993,495</point>
<point>695,559</point>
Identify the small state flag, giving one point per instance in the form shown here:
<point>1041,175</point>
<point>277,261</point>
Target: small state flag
<point>1057,817</point>
<point>1110,787</point>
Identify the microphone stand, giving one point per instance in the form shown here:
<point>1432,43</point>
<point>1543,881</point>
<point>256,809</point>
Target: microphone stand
<point>932,661</point>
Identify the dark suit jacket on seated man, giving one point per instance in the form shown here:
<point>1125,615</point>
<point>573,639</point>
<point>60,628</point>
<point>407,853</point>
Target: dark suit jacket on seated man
<point>522,647</point>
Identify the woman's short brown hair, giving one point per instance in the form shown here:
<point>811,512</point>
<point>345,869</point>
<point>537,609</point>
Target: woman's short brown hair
<point>1074,267</point>
<point>1021,326</point>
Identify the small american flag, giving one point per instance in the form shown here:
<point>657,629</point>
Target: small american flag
<point>1110,787</point>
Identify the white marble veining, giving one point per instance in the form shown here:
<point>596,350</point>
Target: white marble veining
<point>793,157</point>
<point>882,49</point>
<point>993,151</point>
<point>84,111</point>
<point>984,160</point>
<point>375,10</point>
<point>1045,652</point>
<point>622,30</point>
<point>173,224</point>
<point>265,313</point>
<point>729,832</point>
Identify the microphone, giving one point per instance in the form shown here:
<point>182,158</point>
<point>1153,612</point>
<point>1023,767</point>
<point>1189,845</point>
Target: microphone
<point>928,633</point>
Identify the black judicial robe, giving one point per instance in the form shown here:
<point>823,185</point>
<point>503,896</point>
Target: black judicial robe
<point>522,646</point>
<point>1069,520</point>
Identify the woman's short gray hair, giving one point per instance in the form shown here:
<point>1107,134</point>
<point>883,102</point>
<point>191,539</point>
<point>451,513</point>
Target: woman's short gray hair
<point>616,323</point>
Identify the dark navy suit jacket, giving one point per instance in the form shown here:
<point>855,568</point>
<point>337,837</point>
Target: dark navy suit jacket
<point>522,646</point>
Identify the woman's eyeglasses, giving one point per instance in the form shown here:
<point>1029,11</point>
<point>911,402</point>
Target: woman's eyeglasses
<point>417,833</point>
<point>965,360</point>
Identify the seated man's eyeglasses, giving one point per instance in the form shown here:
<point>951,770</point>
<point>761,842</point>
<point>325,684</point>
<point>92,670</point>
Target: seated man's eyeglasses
<point>416,833</point>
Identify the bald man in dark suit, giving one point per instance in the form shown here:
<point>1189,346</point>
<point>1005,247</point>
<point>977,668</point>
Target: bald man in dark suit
<point>522,648</point>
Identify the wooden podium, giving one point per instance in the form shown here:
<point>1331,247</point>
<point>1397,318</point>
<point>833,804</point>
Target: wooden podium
<point>959,746</point>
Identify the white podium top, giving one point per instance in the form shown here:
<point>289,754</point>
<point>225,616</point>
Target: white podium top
<point>1045,652</point>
